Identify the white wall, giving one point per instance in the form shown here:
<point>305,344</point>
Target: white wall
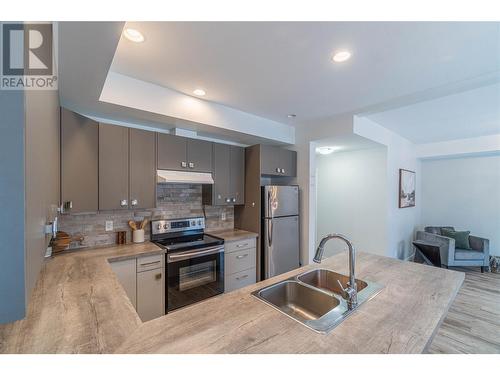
<point>351,196</point>
<point>306,135</point>
<point>464,193</point>
<point>401,153</point>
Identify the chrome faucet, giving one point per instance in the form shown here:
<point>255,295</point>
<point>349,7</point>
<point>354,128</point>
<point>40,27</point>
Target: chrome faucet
<point>349,293</point>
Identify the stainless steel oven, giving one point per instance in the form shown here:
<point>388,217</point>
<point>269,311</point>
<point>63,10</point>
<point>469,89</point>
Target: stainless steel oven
<point>194,261</point>
<point>194,275</point>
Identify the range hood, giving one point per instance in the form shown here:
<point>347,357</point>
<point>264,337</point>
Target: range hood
<point>180,177</point>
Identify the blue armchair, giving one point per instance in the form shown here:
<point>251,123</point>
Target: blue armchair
<point>478,255</point>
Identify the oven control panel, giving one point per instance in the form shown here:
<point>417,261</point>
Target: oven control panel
<point>177,225</point>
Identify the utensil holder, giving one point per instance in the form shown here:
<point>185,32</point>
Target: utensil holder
<point>138,235</point>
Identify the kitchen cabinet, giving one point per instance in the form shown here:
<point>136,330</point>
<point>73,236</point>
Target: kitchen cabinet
<point>142,173</point>
<point>150,287</point>
<point>184,154</point>
<point>276,161</point>
<point>240,261</point>
<point>127,168</point>
<point>113,167</point>
<point>172,152</point>
<point>199,155</point>
<point>79,163</point>
<point>229,176</point>
<point>125,271</point>
<point>237,175</point>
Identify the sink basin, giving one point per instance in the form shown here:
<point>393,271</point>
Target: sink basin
<point>314,299</point>
<point>328,280</point>
<point>297,300</point>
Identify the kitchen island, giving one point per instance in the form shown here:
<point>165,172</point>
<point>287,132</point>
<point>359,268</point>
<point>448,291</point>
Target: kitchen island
<point>79,307</point>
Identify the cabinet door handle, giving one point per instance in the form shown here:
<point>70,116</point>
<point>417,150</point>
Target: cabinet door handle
<point>134,202</point>
<point>123,203</point>
<point>241,256</point>
<point>278,170</point>
<point>158,276</point>
<point>183,164</point>
<point>150,263</point>
<point>228,200</point>
<point>233,200</point>
<point>67,206</point>
<point>242,277</point>
<point>191,165</point>
<point>283,170</point>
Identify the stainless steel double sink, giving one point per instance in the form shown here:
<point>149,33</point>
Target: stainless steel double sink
<point>314,298</point>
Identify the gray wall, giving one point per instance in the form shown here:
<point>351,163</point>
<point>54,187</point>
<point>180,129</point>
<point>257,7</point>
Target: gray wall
<point>464,193</point>
<point>42,176</point>
<point>29,191</point>
<point>12,286</point>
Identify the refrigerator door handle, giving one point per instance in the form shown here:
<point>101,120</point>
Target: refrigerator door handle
<point>270,234</point>
<point>269,209</point>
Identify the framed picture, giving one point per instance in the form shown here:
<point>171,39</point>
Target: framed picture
<point>406,188</point>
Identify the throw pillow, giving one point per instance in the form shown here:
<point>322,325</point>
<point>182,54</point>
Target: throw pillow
<point>461,238</point>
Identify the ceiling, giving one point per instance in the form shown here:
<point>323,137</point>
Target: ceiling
<point>469,114</point>
<point>272,69</point>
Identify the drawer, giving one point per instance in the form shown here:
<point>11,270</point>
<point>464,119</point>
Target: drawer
<point>239,280</point>
<point>149,262</point>
<point>239,245</point>
<point>239,261</point>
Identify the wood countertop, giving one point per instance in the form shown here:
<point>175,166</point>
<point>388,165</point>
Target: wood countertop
<point>232,235</point>
<point>78,306</point>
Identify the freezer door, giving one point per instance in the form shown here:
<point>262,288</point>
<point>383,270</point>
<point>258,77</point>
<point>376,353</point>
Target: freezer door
<point>280,201</point>
<point>281,246</point>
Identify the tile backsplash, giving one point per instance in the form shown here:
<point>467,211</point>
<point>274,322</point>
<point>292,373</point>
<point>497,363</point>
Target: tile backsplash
<point>173,201</point>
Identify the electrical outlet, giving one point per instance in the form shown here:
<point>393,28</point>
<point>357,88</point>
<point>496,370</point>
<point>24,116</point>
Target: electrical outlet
<point>109,225</point>
<point>223,215</point>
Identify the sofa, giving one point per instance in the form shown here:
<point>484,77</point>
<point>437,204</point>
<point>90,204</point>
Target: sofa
<point>478,255</point>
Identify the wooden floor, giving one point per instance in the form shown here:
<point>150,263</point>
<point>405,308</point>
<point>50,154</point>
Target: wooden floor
<point>473,322</point>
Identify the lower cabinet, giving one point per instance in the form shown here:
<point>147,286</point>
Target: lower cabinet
<point>143,280</point>
<point>125,271</point>
<point>150,287</point>
<point>240,264</point>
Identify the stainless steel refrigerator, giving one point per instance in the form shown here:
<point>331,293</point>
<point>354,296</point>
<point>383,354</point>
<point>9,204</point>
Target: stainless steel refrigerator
<point>280,229</point>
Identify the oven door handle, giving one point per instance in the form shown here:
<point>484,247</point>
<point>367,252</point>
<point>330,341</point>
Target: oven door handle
<point>171,258</point>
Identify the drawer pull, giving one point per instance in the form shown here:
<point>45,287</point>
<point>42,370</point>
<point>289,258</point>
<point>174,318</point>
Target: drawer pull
<point>158,276</point>
<point>150,263</point>
<point>242,256</point>
<point>242,244</point>
<point>242,277</point>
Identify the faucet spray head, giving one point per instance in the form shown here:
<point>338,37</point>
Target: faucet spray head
<point>319,254</point>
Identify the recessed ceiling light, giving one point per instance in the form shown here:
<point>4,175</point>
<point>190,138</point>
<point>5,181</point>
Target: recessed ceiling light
<point>133,35</point>
<point>199,92</point>
<point>326,150</point>
<point>291,115</point>
<point>341,56</point>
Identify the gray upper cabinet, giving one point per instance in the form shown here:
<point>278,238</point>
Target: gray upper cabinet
<point>199,155</point>
<point>79,162</point>
<point>184,154</point>
<point>229,177</point>
<point>172,152</point>
<point>237,174</point>
<point>276,161</point>
<point>221,173</point>
<point>113,167</point>
<point>142,159</point>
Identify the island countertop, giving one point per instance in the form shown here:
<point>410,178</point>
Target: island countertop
<point>402,318</point>
<point>78,306</point>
